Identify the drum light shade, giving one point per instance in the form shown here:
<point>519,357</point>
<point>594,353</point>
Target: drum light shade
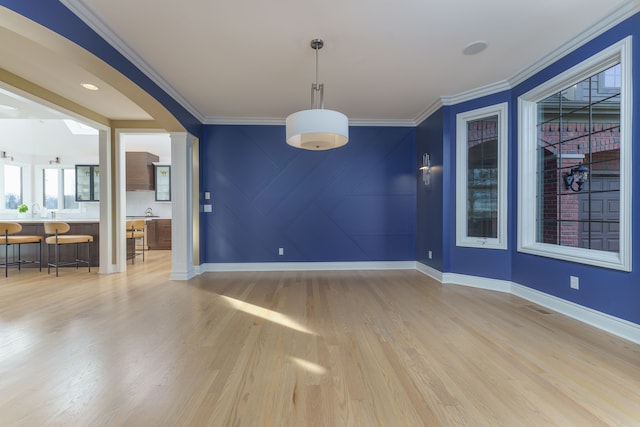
<point>317,129</point>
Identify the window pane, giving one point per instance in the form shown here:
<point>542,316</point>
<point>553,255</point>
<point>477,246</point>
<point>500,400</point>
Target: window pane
<point>69,184</point>
<point>580,127</point>
<point>482,177</point>
<point>50,178</point>
<point>12,186</point>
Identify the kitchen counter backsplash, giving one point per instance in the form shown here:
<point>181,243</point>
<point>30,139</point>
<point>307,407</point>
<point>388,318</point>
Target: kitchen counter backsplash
<point>139,201</point>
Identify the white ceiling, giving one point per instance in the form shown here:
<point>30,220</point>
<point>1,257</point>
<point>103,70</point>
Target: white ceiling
<point>249,61</point>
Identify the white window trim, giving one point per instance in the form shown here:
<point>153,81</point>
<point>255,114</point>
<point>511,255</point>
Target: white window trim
<point>462,238</point>
<point>619,52</point>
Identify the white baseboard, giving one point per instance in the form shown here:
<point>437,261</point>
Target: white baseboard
<point>606,322</point>
<point>476,282</point>
<point>614,325</point>
<point>308,266</point>
<point>183,275</point>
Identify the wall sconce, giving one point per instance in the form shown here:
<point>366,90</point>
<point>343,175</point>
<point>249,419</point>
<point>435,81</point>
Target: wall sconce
<point>578,175</point>
<point>426,169</point>
<point>56,161</point>
<point>3,155</point>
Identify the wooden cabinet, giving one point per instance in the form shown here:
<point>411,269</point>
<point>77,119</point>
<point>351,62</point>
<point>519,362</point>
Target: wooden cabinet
<point>87,183</point>
<point>140,171</point>
<point>159,234</point>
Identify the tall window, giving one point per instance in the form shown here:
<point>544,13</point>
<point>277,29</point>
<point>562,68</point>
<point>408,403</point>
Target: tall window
<point>574,149</point>
<point>12,186</point>
<point>59,188</point>
<point>481,159</point>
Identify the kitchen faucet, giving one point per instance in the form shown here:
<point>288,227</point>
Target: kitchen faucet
<point>148,212</point>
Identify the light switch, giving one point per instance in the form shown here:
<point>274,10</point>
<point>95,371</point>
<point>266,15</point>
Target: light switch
<point>207,195</point>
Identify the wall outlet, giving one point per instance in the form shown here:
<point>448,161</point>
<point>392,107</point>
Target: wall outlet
<point>208,208</point>
<point>280,251</point>
<point>574,282</point>
<point>430,255</point>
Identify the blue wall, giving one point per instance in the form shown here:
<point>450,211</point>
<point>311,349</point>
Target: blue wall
<point>355,203</point>
<point>609,291</point>
<point>613,292</point>
<point>492,263</point>
<point>429,235</point>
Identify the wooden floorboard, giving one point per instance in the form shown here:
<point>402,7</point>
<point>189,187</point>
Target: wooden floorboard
<point>330,348</point>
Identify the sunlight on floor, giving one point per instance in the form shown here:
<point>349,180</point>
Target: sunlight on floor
<point>310,367</point>
<point>266,314</point>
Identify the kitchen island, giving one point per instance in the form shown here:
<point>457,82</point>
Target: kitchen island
<point>35,226</point>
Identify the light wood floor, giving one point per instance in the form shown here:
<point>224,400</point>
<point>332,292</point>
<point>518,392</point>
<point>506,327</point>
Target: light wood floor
<point>366,348</point>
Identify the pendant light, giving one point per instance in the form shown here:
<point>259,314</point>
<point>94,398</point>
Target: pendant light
<point>317,129</point>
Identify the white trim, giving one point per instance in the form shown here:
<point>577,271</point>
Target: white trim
<point>308,266</point>
<point>477,282</point>
<point>476,93</point>
<point>611,324</point>
<point>182,267</point>
<point>429,111</point>
<point>275,121</point>
<point>619,14</point>
<point>88,15</point>
<point>606,322</point>
<point>462,119</point>
<point>527,161</point>
<point>429,271</point>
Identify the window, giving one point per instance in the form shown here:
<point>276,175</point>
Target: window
<point>12,186</point>
<point>481,181</point>
<point>481,185</point>
<point>580,119</point>
<point>59,188</point>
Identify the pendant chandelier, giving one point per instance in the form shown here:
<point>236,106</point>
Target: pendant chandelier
<point>317,129</point>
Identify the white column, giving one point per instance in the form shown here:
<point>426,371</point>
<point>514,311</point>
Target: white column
<point>181,203</point>
<point>106,223</point>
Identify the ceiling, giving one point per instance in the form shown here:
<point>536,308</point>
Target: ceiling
<point>249,61</point>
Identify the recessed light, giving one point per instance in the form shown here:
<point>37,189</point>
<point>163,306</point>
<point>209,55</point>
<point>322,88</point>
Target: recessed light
<point>475,47</point>
<point>89,86</point>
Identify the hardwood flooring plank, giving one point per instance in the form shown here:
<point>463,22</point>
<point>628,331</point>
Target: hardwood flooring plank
<point>315,348</point>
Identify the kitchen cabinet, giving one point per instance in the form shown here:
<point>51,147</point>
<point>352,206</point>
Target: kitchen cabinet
<point>159,234</point>
<point>87,183</point>
<point>140,171</point>
<point>163,183</point>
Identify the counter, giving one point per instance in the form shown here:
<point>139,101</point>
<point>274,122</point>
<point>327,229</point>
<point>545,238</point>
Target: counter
<point>35,226</point>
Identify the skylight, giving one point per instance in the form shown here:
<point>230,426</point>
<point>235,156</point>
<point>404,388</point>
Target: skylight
<point>78,128</point>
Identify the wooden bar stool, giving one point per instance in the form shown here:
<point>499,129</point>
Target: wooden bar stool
<point>8,238</point>
<point>135,231</point>
<point>57,237</point>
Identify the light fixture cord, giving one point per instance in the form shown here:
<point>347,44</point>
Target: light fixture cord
<point>317,87</point>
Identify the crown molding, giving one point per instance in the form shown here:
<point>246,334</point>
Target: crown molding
<point>89,17</point>
<point>429,111</point>
<point>276,121</point>
<point>619,14</point>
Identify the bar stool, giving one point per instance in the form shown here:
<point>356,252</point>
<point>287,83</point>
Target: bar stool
<point>56,231</point>
<point>135,231</point>
<point>8,238</point>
